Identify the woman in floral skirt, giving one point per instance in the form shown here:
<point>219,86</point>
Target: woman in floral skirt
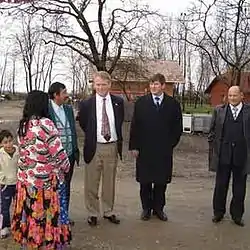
<point>40,220</point>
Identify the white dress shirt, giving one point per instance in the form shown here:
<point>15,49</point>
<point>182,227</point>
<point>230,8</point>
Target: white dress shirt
<point>160,98</point>
<point>59,110</point>
<point>239,107</point>
<point>111,117</point>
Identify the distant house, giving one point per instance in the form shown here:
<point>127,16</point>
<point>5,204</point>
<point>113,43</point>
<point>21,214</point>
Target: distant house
<point>131,76</point>
<point>217,89</point>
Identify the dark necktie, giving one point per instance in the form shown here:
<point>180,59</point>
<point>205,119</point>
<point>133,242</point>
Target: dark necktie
<point>235,110</point>
<point>157,102</point>
<point>105,122</point>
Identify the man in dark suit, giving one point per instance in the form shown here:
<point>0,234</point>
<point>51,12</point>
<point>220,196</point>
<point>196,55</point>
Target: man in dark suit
<point>229,152</point>
<point>63,117</point>
<point>101,118</point>
<point>155,130</point>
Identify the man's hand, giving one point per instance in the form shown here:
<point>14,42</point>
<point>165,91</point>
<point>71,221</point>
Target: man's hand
<point>135,153</point>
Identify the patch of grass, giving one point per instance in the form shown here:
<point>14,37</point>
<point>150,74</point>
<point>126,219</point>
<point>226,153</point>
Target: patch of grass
<point>206,108</point>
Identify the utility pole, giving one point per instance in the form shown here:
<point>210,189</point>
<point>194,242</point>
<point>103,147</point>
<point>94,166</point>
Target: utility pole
<point>183,16</point>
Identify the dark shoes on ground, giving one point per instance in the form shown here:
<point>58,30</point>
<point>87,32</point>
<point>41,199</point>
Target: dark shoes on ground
<point>112,218</point>
<point>160,215</point>
<point>217,218</point>
<point>146,215</point>
<point>237,221</point>
<point>92,220</point>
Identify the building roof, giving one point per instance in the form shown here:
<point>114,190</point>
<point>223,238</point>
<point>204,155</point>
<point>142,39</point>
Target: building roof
<point>219,78</point>
<point>138,70</point>
<point>226,78</point>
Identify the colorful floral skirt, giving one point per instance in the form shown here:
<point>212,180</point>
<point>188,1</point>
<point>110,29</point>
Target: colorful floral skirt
<point>39,222</point>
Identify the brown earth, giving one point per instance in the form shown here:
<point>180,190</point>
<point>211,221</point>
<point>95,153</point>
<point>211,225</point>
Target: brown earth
<point>188,207</point>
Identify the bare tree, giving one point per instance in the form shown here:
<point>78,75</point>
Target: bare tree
<point>100,40</point>
<point>13,85</point>
<point>154,43</point>
<point>38,58</point>
<point>47,73</point>
<point>127,68</point>
<point>178,48</point>
<point>44,59</point>
<point>27,41</point>
<point>78,68</point>
<point>161,41</point>
<point>226,44</point>
<point>3,73</point>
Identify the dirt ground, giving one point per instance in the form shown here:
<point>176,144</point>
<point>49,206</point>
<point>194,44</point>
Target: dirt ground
<point>188,207</point>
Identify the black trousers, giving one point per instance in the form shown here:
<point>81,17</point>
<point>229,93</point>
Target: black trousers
<point>68,178</point>
<point>153,196</point>
<point>221,189</point>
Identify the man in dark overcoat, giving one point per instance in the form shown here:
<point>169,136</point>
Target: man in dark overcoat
<point>156,128</point>
<point>229,153</point>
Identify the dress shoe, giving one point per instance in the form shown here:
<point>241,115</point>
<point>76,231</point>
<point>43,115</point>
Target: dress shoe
<point>239,222</point>
<point>92,220</point>
<point>161,215</point>
<point>217,218</point>
<point>146,214</point>
<point>113,219</point>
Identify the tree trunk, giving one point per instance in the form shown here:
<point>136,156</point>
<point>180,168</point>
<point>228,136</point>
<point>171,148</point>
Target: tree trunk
<point>123,87</point>
<point>13,77</point>
<point>3,74</point>
<point>30,79</point>
<point>238,78</point>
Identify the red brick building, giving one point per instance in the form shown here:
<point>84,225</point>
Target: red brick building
<point>131,76</point>
<point>217,90</point>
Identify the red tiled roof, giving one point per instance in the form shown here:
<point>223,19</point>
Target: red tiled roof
<point>131,69</point>
<point>226,78</point>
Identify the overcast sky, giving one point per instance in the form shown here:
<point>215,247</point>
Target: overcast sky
<point>169,6</point>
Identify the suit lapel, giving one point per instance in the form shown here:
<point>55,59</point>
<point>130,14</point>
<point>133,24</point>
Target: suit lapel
<point>115,106</point>
<point>245,119</point>
<point>151,99</point>
<point>164,100</point>
<point>223,114</point>
<point>68,116</point>
<point>51,112</point>
<point>93,112</point>
<point>66,110</point>
<point>151,102</point>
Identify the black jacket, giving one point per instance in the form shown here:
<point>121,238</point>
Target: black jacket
<point>87,121</point>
